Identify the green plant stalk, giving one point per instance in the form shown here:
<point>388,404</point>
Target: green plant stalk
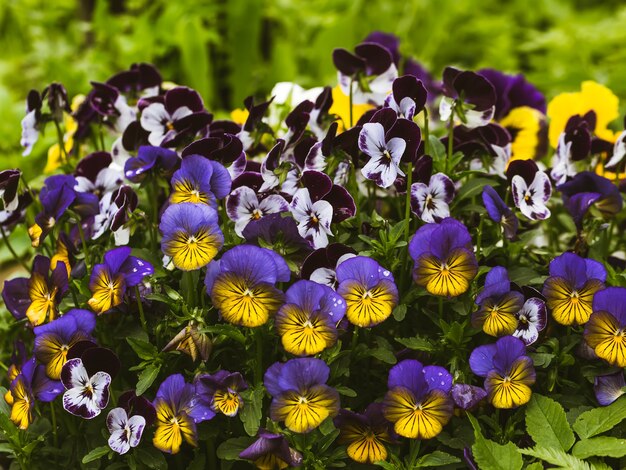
<point>258,362</point>
<point>414,450</point>
<point>426,133</point>
<point>81,233</point>
<point>62,152</point>
<point>407,218</point>
<point>479,237</point>
<point>350,98</point>
<point>53,415</point>
<point>142,317</point>
<point>190,291</point>
<point>13,252</point>
<point>450,140</point>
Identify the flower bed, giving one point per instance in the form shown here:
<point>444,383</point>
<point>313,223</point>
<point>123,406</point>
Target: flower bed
<point>395,272</point>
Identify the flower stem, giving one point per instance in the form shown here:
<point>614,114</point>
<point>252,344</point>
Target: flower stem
<point>54,425</point>
<point>414,450</point>
<point>479,237</point>
<point>426,133</point>
<point>350,97</point>
<point>450,141</point>
<point>407,221</point>
<point>142,317</point>
<point>258,362</point>
<point>10,247</point>
<point>81,233</point>
<point>62,152</point>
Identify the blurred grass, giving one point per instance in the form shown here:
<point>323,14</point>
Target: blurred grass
<point>228,49</point>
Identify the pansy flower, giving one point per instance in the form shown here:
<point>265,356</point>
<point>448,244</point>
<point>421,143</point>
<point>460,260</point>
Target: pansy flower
<point>499,305</point>
<point>369,290</point>
<point>367,75</point>
<point>609,388</point>
<point>619,151</point>
<point>9,219</point>
<point>241,284</point>
<point>95,174</point>
<point>606,329</point>
<point>531,189</point>
<point>467,396</point>
<point>320,265</point>
<point>271,451</point>
<point>408,97</point>
<point>314,218</point>
<point>489,144</point>
<point>499,212</point>
<point>300,395</point>
<point>30,384</point>
<point>226,149</point>
<point>178,410</point>
<point>199,180</point>
<point>574,144</point>
<point>307,321</point>
<point>430,201</point>
<point>9,183</point>
<point>31,122</point>
<point>570,289</point>
<point>418,401</point>
<point>115,210</point>
<point>508,371</point>
<point>531,319</point>
<point>125,431</point>
<point>180,112</point>
<point>150,160</point>
<point>444,261</point>
<point>365,434</point>
<point>470,96</point>
<point>191,341</point>
<point>45,291</point>
<point>87,379</point>
<point>53,340</point>
<point>588,189</point>
<point>385,140</point>
<point>191,235</point>
<point>221,391</point>
<point>110,280</point>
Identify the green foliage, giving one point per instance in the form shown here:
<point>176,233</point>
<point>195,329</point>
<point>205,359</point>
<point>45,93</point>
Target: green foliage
<point>600,420</point>
<point>491,455</point>
<point>546,423</point>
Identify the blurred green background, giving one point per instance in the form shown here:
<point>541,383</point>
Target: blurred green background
<point>228,49</point>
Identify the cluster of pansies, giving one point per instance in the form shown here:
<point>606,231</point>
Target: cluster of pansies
<point>330,274</point>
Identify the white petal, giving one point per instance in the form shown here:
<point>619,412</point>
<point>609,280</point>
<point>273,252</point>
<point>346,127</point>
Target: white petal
<point>323,276</point>
<point>109,179</point>
<point>435,211</point>
<point>541,188</point>
<point>383,83</point>
<point>76,402</point>
<point>273,204</point>
<point>372,139</point>
<point>315,160</point>
<point>118,442</point>
<point>117,419</point>
<point>619,150</point>
<point>119,155</point>
<point>441,187</point>
<point>301,205</point>
<point>323,210</point>
<point>287,92</point>
<point>478,118</point>
<point>501,161</point>
<point>153,117</point>
<point>518,189</point>
<point>445,108</point>
<point>127,114</point>
<point>419,193</point>
<point>181,112</point>
<point>30,134</point>
<point>407,108</point>
<point>122,236</point>
<point>137,424</point>
<point>241,203</point>
<point>84,185</point>
<point>318,238</point>
<point>381,170</point>
<point>100,382</point>
<point>78,375</point>
<point>396,147</point>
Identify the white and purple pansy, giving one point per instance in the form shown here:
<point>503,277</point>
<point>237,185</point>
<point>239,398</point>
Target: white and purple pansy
<point>619,151</point>
<point>96,174</point>
<point>125,431</point>
<point>430,201</point>
<point>574,145</point>
<point>408,96</point>
<point>245,204</point>
<point>471,97</point>
<point>314,218</point>
<point>531,189</point>
<point>386,139</point>
<point>85,396</point>
<point>531,319</point>
<point>30,122</point>
<point>320,266</point>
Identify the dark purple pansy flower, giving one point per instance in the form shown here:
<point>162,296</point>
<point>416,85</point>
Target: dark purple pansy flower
<point>531,189</point>
<point>30,384</point>
<point>53,340</point>
<point>221,391</point>
<point>508,371</point>
<point>87,376</point>
<point>434,87</point>
<point>467,396</point>
<point>418,401</point>
<point>372,64</point>
<point>180,113</point>
<point>389,41</point>
<point>408,97</point>
<point>281,234</point>
<point>31,122</point>
<point>226,149</point>
<point>609,388</point>
<point>513,91</point>
<point>300,396</point>
<point>313,218</point>
<point>587,189</point>
<point>320,265</point>
<point>386,140</point>
<point>468,95</point>
<point>9,183</point>
<point>365,434</point>
<point>110,280</point>
<point>155,160</point>
<point>115,210</point>
<point>141,79</point>
<point>271,451</point>
<point>574,144</point>
<point>489,144</point>
<point>111,106</point>
<point>9,219</point>
<point>499,212</point>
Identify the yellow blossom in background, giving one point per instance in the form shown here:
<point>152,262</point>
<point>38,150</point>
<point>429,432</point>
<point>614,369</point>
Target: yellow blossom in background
<point>592,97</point>
<point>527,128</point>
<point>239,116</point>
<point>341,107</point>
<point>55,157</point>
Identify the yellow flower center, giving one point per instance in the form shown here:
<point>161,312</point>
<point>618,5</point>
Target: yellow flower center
<point>387,155</point>
<point>256,214</point>
<point>169,126</point>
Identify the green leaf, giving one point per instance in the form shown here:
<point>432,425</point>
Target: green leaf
<point>535,466</point>
<point>546,423</point>
<point>147,378</point>
<point>252,411</point>
<point>143,349</point>
<point>230,449</point>
<point>346,391</point>
<point>417,343</point>
<point>96,454</point>
<point>399,312</point>
<point>4,407</point>
<point>474,187</point>
<point>436,459</point>
<point>601,446</point>
<point>151,457</point>
<point>556,457</point>
<point>492,456</point>
<point>599,420</point>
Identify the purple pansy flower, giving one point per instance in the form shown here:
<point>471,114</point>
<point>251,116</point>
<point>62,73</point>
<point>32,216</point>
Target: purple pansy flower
<point>513,91</point>
<point>499,212</point>
<point>314,218</point>
<point>191,235</point>
<point>508,371</point>
<point>226,149</point>
<point>307,321</point>
<point>9,183</point>
<point>125,431</point>
<point>531,189</point>
<point>221,391</point>
<point>418,401</point>
<point>271,450</point>
<point>574,144</point>
<point>110,280</point>
<point>587,189</point>
<point>53,340</point>
<point>430,201</point>
<point>604,332</point>
<point>31,122</point>
<point>444,259</point>
<point>408,97</point>
<point>300,395</point>
<point>150,160</point>
<point>609,388</point>
<point>467,396</point>
<point>199,180</point>
<point>280,233</point>
<point>243,205</point>
<point>369,290</point>
<point>468,95</point>
<point>115,210</point>
<point>531,319</point>
<point>320,265</point>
